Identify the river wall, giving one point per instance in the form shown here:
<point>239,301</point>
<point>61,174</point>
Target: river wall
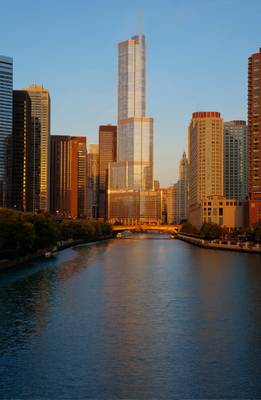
<point>30,257</point>
<point>248,247</point>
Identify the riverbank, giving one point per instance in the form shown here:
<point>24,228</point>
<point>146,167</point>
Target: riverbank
<point>61,245</point>
<point>247,247</point>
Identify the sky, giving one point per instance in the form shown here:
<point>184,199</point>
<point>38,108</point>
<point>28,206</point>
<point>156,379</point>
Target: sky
<point>197,54</point>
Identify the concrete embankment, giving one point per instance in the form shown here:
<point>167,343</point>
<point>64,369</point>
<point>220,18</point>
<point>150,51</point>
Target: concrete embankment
<point>30,257</point>
<point>248,247</point>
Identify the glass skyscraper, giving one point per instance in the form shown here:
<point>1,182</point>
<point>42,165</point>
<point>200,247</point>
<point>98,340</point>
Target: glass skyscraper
<point>135,130</point>
<point>131,197</point>
<point>6,115</point>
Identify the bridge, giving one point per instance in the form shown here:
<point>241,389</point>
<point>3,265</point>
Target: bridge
<point>147,228</point>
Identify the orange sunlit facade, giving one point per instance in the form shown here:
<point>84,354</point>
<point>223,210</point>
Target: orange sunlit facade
<point>254,138</point>
<point>68,176</point>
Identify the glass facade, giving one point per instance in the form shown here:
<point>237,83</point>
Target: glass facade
<point>235,160</point>
<point>132,78</point>
<point>6,116</point>
<point>40,147</point>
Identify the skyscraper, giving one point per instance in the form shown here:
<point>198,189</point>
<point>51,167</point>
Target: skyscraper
<point>93,181</point>
<point>205,154</point>
<point>254,138</point>
<point>40,147</point>
<point>6,110</point>
<point>68,189</point>
<point>135,130</point>
<point>107,154</point>
<point>235,160</point>
<point>131,196</point>
<point>21,184</point>
<point>181,192</point>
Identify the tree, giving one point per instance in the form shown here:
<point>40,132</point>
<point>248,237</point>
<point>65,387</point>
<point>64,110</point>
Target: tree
<point>211,231</point>
<point>187,227</point>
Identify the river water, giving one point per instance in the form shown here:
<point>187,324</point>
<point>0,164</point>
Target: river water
<point>132,319</point>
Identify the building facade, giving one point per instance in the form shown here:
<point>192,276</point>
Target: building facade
<point>93,181</point>
<point>133,171</point>
<point>229,213</point>
<point>205,157</point>
<point>21,184</point>
<point>6,111</point>
<point>40,147</point>
<point>170,201</point>
<point>181,192</point>
<point>68,192</point>
<point>235,160</point>
<point>107,154</point>
<point>254,138</point>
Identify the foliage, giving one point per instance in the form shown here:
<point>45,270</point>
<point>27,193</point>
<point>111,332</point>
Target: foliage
<point>257,234</point>
<point>83,229</point>
<point>187,227</point>
<point>21,232</point>
<point>211,231</point>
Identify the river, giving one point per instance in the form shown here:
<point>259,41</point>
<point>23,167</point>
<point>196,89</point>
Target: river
<point>132,319</point>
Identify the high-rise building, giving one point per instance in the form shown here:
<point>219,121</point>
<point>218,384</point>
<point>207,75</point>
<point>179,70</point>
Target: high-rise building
<point>135,130</point>
<point>254,138</point>
<point>205,155</point>
<point>68,189</point>
<point>107,154</point>
<point>6,110</point>
<point>93,181</point>
<point>181,192</point>
<point>170,200</point>
<point>21,184</point>
<point>133,171</point>
<point>40,147</point>
<point>235,160</point>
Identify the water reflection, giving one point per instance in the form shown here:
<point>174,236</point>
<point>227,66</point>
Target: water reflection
<point>132,319</point>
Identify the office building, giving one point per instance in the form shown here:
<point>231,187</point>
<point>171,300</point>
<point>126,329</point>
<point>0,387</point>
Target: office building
<point>21,184</point>
<point>230,213</point>
<point>68,192</point>
<point>40,147</point>
<point>93,181</point>
<point>254,138</point>
<point>6,111</point>
<point>133,171</point>
<point>181,192</point>
<point>235,160</point>
<point>107,154</point>
<point>170,202</point>
<point>205,156</point>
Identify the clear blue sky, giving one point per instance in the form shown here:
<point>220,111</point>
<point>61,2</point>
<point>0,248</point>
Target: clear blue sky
<point>197,60</point>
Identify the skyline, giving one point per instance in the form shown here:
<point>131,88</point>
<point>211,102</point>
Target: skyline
<point>83,93</point>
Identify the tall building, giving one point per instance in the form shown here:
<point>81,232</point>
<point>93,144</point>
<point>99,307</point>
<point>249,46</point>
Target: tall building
<point>131,177</point>
<point>254,138</point>
<point>135,130</point>
<point>235,160</point>
<point>68,189</point>
<point>107,154</point>
<point>181,192</point>
<point>170,201</point>
<point>205,155</point>
<point>93,181</point>
<point>40,147</point>
<point>6,110</point>
<point>21,184</point>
